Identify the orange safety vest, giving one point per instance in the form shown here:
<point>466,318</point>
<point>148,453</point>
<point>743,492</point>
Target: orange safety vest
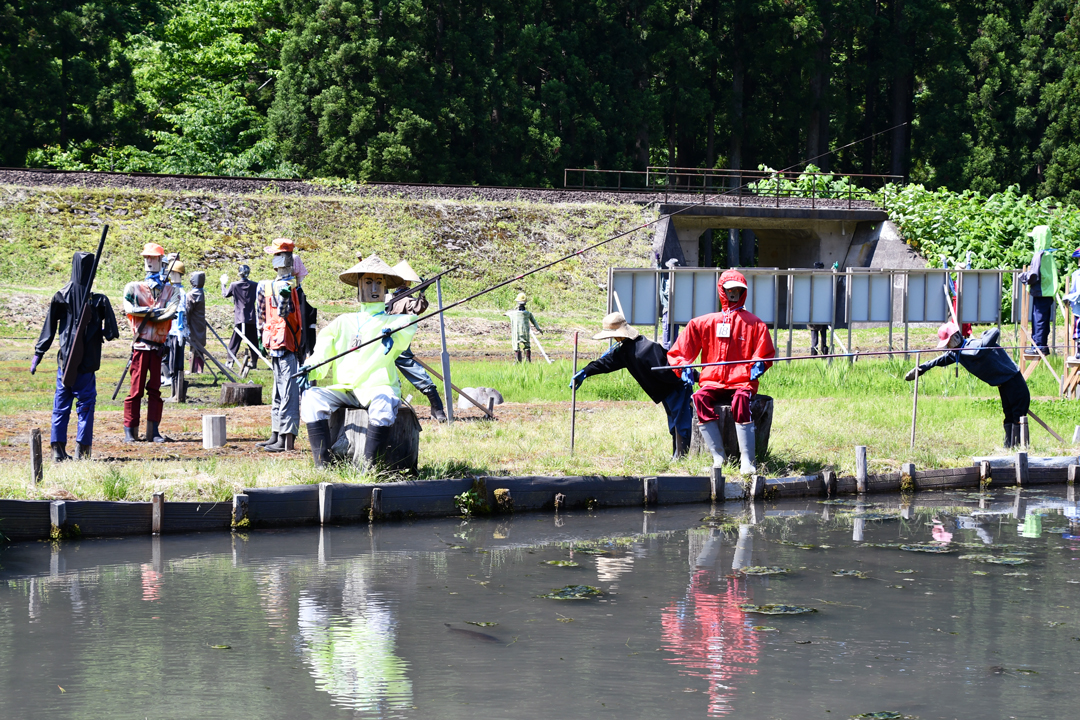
<point>282,332</point>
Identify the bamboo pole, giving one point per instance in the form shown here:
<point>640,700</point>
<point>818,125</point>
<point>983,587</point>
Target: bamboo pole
<point>573,398</point>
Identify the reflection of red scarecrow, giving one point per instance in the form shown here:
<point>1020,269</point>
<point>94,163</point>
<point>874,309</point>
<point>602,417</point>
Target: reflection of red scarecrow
<point>711,637</point>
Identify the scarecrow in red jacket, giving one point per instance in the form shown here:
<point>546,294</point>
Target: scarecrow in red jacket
<point>734,333</point>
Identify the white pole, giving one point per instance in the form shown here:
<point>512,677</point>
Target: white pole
<point>448,390</point>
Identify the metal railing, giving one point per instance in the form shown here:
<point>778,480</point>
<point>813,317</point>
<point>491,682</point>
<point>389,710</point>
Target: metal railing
<point>742,187</point>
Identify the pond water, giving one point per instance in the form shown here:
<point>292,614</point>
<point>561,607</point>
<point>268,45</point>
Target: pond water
<point>359,622</point>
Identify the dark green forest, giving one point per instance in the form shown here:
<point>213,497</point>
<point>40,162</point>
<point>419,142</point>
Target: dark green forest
<point>980,94</point>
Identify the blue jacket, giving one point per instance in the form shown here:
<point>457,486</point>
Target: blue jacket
<point>982,358</point>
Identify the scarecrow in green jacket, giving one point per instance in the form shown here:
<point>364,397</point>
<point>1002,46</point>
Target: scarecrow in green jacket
<point>520,320</point>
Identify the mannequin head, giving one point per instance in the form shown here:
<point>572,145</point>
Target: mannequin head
<point>176,274</point>
<point>283,263</point>
<point>733,294</point>
<point>151,255</point>
<point>372,288</point>
<point>245,271</point>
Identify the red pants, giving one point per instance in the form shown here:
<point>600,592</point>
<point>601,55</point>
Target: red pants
<point>707,399</point>
<point>145,376</point>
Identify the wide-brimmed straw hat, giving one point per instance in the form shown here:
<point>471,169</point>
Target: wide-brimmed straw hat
<point>280,245</point>
<point>521,298</point>
<point>615,327</point>
<point>406,272</point>
<point>371,265</point>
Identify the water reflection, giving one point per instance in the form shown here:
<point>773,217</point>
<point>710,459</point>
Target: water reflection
<point>351,648</point>
<point>709,635</point>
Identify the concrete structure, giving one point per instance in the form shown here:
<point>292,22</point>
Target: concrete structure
<point>786,236</point>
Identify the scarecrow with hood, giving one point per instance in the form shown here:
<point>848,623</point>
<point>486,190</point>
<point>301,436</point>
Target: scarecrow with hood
<point>986,360</point>
<point>196,320</point>
<point>64,312</point>
<point>242,293</point>
<point>280,310</point>
<point>1042,280</point>
<point>734,333</point>
<point>365,378</point>
<point>520,319</point>
<point>639,355</point>
<point>1073,298</point>
<point>150,305</point>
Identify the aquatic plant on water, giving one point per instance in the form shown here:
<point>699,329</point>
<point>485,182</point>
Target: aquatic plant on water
<point>573,592</point>
<point>776,609</point>
<point>764,570</point>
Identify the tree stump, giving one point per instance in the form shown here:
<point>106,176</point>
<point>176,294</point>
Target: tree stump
<point>348,434</point>
<point>761,410</point>
<point>241,394</point>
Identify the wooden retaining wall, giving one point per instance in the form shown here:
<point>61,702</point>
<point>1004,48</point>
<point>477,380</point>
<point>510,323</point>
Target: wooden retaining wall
<point>340,503</point>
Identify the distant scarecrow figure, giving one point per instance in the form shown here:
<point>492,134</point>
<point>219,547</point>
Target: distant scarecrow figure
<point>987,361</point>
<point>64,311</point>
<point>196,320</point>
<point>242,293</point>
<point>520,319</point>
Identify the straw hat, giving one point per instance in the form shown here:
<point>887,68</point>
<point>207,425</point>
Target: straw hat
<point>615,327</point>
<point>406,272</point>
<point>280,245</point>
<point>372,265</point>
<point>521,298</point>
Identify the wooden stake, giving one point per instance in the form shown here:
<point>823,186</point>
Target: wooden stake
<point>326,492</point>
<point>716,483</point>
<point>1021,468</point>
<point>157,510</point>
<point>1033,416</point>
<point>573,398</point>
<point>860,468</point>
<point>915,402</point>
<point>376,504</point>
<point>37,471</point>
<point>650,491</point>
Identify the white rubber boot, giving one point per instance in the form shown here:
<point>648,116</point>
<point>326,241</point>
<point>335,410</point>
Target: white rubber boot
<point>710,435</point>
<point>747,447</point>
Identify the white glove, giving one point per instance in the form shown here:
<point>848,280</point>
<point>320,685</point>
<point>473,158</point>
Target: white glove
<point>224,279</point>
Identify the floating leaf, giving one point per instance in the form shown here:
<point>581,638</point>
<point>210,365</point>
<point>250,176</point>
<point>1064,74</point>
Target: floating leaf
<point>845,501</point>
<point>573,592</point>
<point>1014,574</point>
<point>480,623</point>
<point>561,563</point>
<point>801,546</point>
<point>897,587</point>
<point>881,715</point>
<point>763,570</point>
<point>764,628</point>
<point>927,548</point>
<point>590,551</point>
<point>881,545</point>
<point>849,573</point>
<point>221,647</point>
<point>773,609</point>
<point>904,572</point>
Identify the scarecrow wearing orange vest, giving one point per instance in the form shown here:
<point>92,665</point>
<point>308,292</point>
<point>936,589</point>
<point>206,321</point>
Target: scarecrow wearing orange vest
<point>280,308</point>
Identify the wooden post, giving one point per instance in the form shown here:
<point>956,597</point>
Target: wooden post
<point>829,478</point>
<point>240,508</point>
<point>326,493</point>
<point>445,357</point>
<point>37,471</point>
<point>915,402</point>
<point>376,501</point>
<point>1073,471</point>
<point>860,468</point>
<point>58,515</point>
<point>716,485</point>
<point>1022,467</point>
<point>157,510</point>
<point>650,491</point>
<point>757,488</point>
<point>213,431</point>
<point>491,407</point>
<point>1025,436</point>
<point>984,472</point>
<point>907,476</point>
<point>573,398</point>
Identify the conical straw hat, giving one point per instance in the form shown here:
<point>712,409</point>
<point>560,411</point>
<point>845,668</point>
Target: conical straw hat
<point>615,327</point>
<point>406,272</point>
<point>371,265</point>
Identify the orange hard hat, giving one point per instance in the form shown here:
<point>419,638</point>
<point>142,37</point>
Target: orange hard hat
<point>152,250</point>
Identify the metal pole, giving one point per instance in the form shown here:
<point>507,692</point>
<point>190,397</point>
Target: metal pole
<point>573,397</point>
<point>915,403</point>
<point>448,389</point>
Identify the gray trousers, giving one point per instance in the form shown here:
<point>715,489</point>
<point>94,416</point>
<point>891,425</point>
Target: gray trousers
<point>285,396</point>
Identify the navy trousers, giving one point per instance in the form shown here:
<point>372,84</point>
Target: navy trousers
<point>85,392</point>
<point>680,412</point>
<point>1042,311</point>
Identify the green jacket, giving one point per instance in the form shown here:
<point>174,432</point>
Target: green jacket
<point>519,326</point>
<point>365,370</point>
<point>1046,263</point>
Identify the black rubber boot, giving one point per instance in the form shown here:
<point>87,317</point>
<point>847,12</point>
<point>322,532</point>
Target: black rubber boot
<point>682,446</point>
<point>271,441</point>
<point>152,433</point>
<point>375,443</point>
<point>82,452</point>
<point>59,452</point>
<point>284,442</point>
<point>318,434</point>
<point>1012,435</point>
<point>438,413</point>
<point>517,354</point>
<point>130,435</point>
<point>528,356</point>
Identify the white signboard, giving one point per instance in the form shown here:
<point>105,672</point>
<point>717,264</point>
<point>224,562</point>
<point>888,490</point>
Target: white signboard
<point>871,297</point>
<point>926,297</point>
<point>980,297</point>
<point>811,299</point>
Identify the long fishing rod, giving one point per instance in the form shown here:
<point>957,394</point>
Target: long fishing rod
<point>504,283</point>
<point>913,351</point>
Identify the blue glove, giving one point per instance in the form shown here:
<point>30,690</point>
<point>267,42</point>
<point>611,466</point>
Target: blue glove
<point>688,376</point>
<point>757,370</point>
<point>302,381</point>
<point>387,341</point>
<point>578,379</point>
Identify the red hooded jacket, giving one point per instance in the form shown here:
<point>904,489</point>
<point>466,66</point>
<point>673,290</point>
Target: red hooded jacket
<point>748,339</point>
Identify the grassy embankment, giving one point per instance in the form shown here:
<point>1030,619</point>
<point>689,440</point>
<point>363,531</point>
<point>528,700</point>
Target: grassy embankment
<point>821,410</point>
